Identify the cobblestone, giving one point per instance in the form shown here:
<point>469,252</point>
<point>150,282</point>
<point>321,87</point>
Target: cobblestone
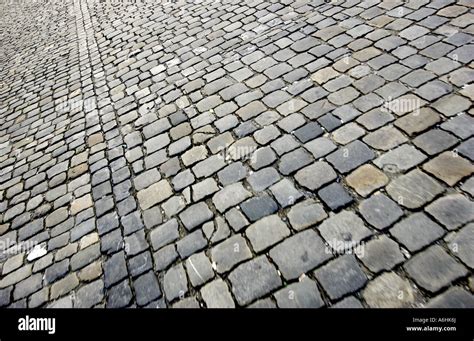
<point>253,279</point>
<point>416,231</point>
<point>423,268</point>
<point>251,143</point>
<point>351,276</point>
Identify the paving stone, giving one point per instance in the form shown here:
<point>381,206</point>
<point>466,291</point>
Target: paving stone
<point>375,118</point>
<point>351,156</point>
<point>175,284</point>
<point>267,134</point>
<point>199,269</point>
<point>320,147</point>
<point>266,232</point>
<point>401,158</point>
<point>299,253</point>
<point>451,105</point>
<point>335,196</point>
<point>381,254</point>
<point>183,179</point>
<point>236,219</point>
<point>468,186</point>
<point>263,178</point>
<point>12,263</point>
<point>414,189</point>
<point>27,286</point>
<point>294,160</point>
<point>348,303</point>
<point>433,90</point>
<point>191,243</point>
<point>258,207</point>
<point>90,295</point>
<point>460,125</point>
<point>57,217</point>
<point>449,168</point>
<point>306,214</point>
<point>253,280</point>
<point>434,141</point>
<point>466,149</point>
<point>308,132</point>
<point>343,230</point>
<point>291,122</point>
<point>434,269</point>
<point>194,139</point>
<point>208,166</point>
<point>154,194</point>
<point>147,288</point>
<point>389,291</point>
<point>452,210</point>
<point>285,193</point>
<point>64,286</point>
<point>379,211</point>
<point>315,175</point>
<point>366,179</point>
<point>329,122</point>
<point>91,272</point>
<point>204,189</point>
<point>418,121</point>
<point>165,256</point>
<point>416,231</point>
<point>453,298</point>
<point>115,269</point>
<point>164,234</point>
<point>341,276</point>
<point>229,253</point>
<point>284,144</point>
<point>15,276</point>
<point>262,157</point>
<point>460,244</point>
<point>84,257</point>
<point>216,295</point>
<point>384,138</point>
<point>229,196</point>
<point>348,133</point>
<point>195,215</point>
<point>304,294</point>
<point>265,303</point>
<point>234,172</point>
<point>185,303</point>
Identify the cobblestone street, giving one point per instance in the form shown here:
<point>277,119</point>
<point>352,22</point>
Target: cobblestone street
<point>226,153</point>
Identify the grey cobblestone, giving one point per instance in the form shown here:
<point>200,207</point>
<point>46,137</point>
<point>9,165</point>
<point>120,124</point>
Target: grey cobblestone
<point>243,140</point>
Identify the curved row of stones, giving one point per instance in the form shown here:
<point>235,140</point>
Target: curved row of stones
<point>236,153</point>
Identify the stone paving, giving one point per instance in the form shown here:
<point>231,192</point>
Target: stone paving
<point>235,153</point>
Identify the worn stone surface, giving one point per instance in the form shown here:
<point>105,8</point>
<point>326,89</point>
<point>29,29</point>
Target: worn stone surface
<point>434,269</point>
<point>216,295</point>
<point>380,211</point>
<point>350,276</point>
<point>414,189</point>
<point>389,291</point>
<point>416,231</point>
<point>366,179</point>
<point>449,168</point>
<point>253,279</point>
<point>304,294</point>
<point>219,154</point>
<point>266,232</point>
<point>381,254</point>
<point>343,228</point>
<point>299,253</point>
